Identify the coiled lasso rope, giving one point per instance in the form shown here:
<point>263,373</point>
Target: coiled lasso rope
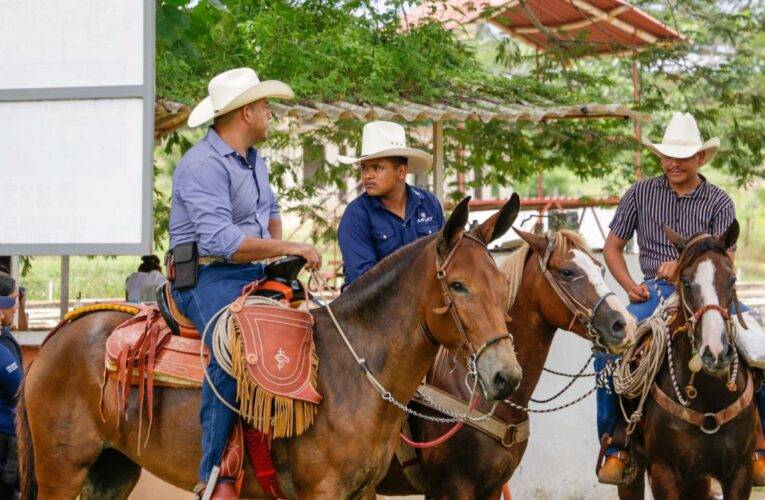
<point>635,380</point>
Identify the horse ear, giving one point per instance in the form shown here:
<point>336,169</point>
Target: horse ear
<point>454,227</point>
<point>537,242</point>
<point>498,224</point>
<point>730,236</point>
<point>674,238</point>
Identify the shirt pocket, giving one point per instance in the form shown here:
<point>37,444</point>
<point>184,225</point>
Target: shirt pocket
<point>426,228</point>
<point>384,241</point>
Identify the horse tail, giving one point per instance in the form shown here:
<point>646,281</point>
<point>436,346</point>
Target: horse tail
<point>26,450</point>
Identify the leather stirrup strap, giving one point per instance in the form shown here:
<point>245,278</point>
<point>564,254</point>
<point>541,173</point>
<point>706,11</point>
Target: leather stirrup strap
<point>410,462</point>
<point>707,422</point>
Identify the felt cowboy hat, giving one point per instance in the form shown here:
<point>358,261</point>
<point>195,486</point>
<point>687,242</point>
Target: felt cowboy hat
<point>233,89</point>
<point>682,139</point>
<point>387,139</point>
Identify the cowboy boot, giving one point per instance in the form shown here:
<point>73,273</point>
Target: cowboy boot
<point>612,470</point>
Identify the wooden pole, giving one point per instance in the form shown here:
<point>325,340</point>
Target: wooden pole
<point>64,299</point>
<point>438,160</point>
<point>636,102</point>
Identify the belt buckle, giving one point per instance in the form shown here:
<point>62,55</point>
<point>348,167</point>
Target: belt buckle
<point>511,429</point>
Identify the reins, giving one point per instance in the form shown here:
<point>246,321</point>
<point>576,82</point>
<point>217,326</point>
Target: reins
<point>473,354</point>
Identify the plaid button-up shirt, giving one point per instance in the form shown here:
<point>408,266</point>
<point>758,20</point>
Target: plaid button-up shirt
<point>651,202</point>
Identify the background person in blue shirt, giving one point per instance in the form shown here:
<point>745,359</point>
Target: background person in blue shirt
<point>391,213</point>
<point>11,374</point>
<point>222,200</point>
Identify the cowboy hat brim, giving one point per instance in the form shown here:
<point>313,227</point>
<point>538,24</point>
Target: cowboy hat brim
<point>204,111</point>
<point>684,151</point>
<point>418,161</point>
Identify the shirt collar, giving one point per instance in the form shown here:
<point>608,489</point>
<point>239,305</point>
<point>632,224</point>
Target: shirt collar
<point>223,149</point>
<point>5,330</point>
<point>413,199</point>
<point>700,191</point>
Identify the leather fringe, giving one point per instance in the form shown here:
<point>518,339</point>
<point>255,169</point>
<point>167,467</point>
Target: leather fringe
<point>271,414</point>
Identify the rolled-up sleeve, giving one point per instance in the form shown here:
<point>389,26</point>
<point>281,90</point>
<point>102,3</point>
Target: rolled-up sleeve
<point>274,212</point>
<point>203,188</point>
<point>625,220</point>
<point>355,239</point>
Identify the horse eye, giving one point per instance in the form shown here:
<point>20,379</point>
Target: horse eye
<point>566,273</point>
<point>686,283</point>
<point>458,287</point>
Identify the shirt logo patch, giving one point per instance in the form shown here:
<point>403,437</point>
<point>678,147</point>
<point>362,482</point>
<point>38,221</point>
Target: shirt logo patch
<point>12,367</point>
<point>424,219</point>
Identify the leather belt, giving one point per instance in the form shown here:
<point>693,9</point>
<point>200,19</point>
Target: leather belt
<point>211,259</point>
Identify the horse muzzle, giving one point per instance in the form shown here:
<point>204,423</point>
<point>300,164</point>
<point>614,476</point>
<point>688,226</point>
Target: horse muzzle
<point>498,371</point>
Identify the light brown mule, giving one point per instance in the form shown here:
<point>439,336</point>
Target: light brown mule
<point>472,464</point>
<point>395,318</point>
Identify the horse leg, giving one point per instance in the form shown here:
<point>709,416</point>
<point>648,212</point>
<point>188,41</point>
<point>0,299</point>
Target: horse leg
<point>634,490</point>
<point>697,488</point>
<point>665,484</point>
<point>112,477</point>
<point>739,483</point>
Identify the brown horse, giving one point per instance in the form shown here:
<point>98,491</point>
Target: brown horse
<point>395,317</point>
<point>472,464</point>
<point>681,457</point>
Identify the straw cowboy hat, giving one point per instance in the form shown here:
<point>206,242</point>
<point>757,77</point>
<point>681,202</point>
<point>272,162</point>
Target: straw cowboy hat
<point>386,139</point>
<point>233,89</point>
<point>683,140</point>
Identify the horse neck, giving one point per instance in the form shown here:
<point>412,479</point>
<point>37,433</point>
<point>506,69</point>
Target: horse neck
<point>382,322</point>
<point>533,334</point>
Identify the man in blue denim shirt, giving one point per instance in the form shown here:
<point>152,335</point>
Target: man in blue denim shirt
<point>391,213</point>
<point>685,201</point>
<point>222,200</point>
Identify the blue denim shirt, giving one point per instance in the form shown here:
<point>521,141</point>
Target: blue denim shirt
<point>369,232</point>
<point>219,197</point>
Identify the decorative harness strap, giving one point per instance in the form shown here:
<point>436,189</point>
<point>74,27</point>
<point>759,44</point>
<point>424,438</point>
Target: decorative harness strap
<point>709,423</point>
<point>583,314</point>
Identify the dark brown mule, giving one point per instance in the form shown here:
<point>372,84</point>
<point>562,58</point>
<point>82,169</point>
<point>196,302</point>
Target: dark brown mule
<point>678,456</point>
<point>472,464</point>
<point>395,318</point>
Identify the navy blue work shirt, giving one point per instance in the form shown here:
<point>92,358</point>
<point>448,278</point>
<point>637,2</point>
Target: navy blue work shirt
<point>369,232</point>
<point>11,374</point>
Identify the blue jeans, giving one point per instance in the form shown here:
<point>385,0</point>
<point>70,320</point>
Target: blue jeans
<point>217,286</point>
<point>607,401</point>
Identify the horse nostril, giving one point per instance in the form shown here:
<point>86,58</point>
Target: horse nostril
<point>504,384</point>
<point>499,382</point>
<point>618,326</point>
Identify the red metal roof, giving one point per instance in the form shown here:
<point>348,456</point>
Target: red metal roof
<point>607,26</point>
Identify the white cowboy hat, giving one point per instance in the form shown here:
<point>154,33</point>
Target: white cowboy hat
<point>386,139</point>
<point>683,140</point>
<point>233,89</point>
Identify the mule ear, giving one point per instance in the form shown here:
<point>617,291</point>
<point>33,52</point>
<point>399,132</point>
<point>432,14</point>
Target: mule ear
<point>498,224</point>
<point>537,242</point>
<point>454,227</point>
<point>730,236</point>
<point>674,238</point>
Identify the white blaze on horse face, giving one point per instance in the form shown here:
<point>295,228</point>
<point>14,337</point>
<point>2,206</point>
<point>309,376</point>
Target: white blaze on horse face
<point>712,323</point>
<point>592,270</point>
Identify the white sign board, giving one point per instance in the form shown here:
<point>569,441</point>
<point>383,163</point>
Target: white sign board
<point>77,104</point>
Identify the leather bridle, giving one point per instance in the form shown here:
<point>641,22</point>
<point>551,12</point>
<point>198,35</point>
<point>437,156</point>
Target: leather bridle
<point>450,305</point>
<point>581,313</point>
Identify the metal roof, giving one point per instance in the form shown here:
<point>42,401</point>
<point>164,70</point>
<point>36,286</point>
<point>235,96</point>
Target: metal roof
<point>479,110</point>
<point>609,26</point>
<point>170,116</point>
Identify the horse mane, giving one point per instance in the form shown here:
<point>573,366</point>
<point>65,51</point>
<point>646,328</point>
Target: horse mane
<point>383,274</point>
<point>563,241</point>
<point>692,252</point>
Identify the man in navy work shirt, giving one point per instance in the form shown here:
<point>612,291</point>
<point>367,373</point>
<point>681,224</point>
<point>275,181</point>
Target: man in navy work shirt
<point>685,201</point>
<point>11,375</point>
<point>222,201</point>
<point>391,213</point>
